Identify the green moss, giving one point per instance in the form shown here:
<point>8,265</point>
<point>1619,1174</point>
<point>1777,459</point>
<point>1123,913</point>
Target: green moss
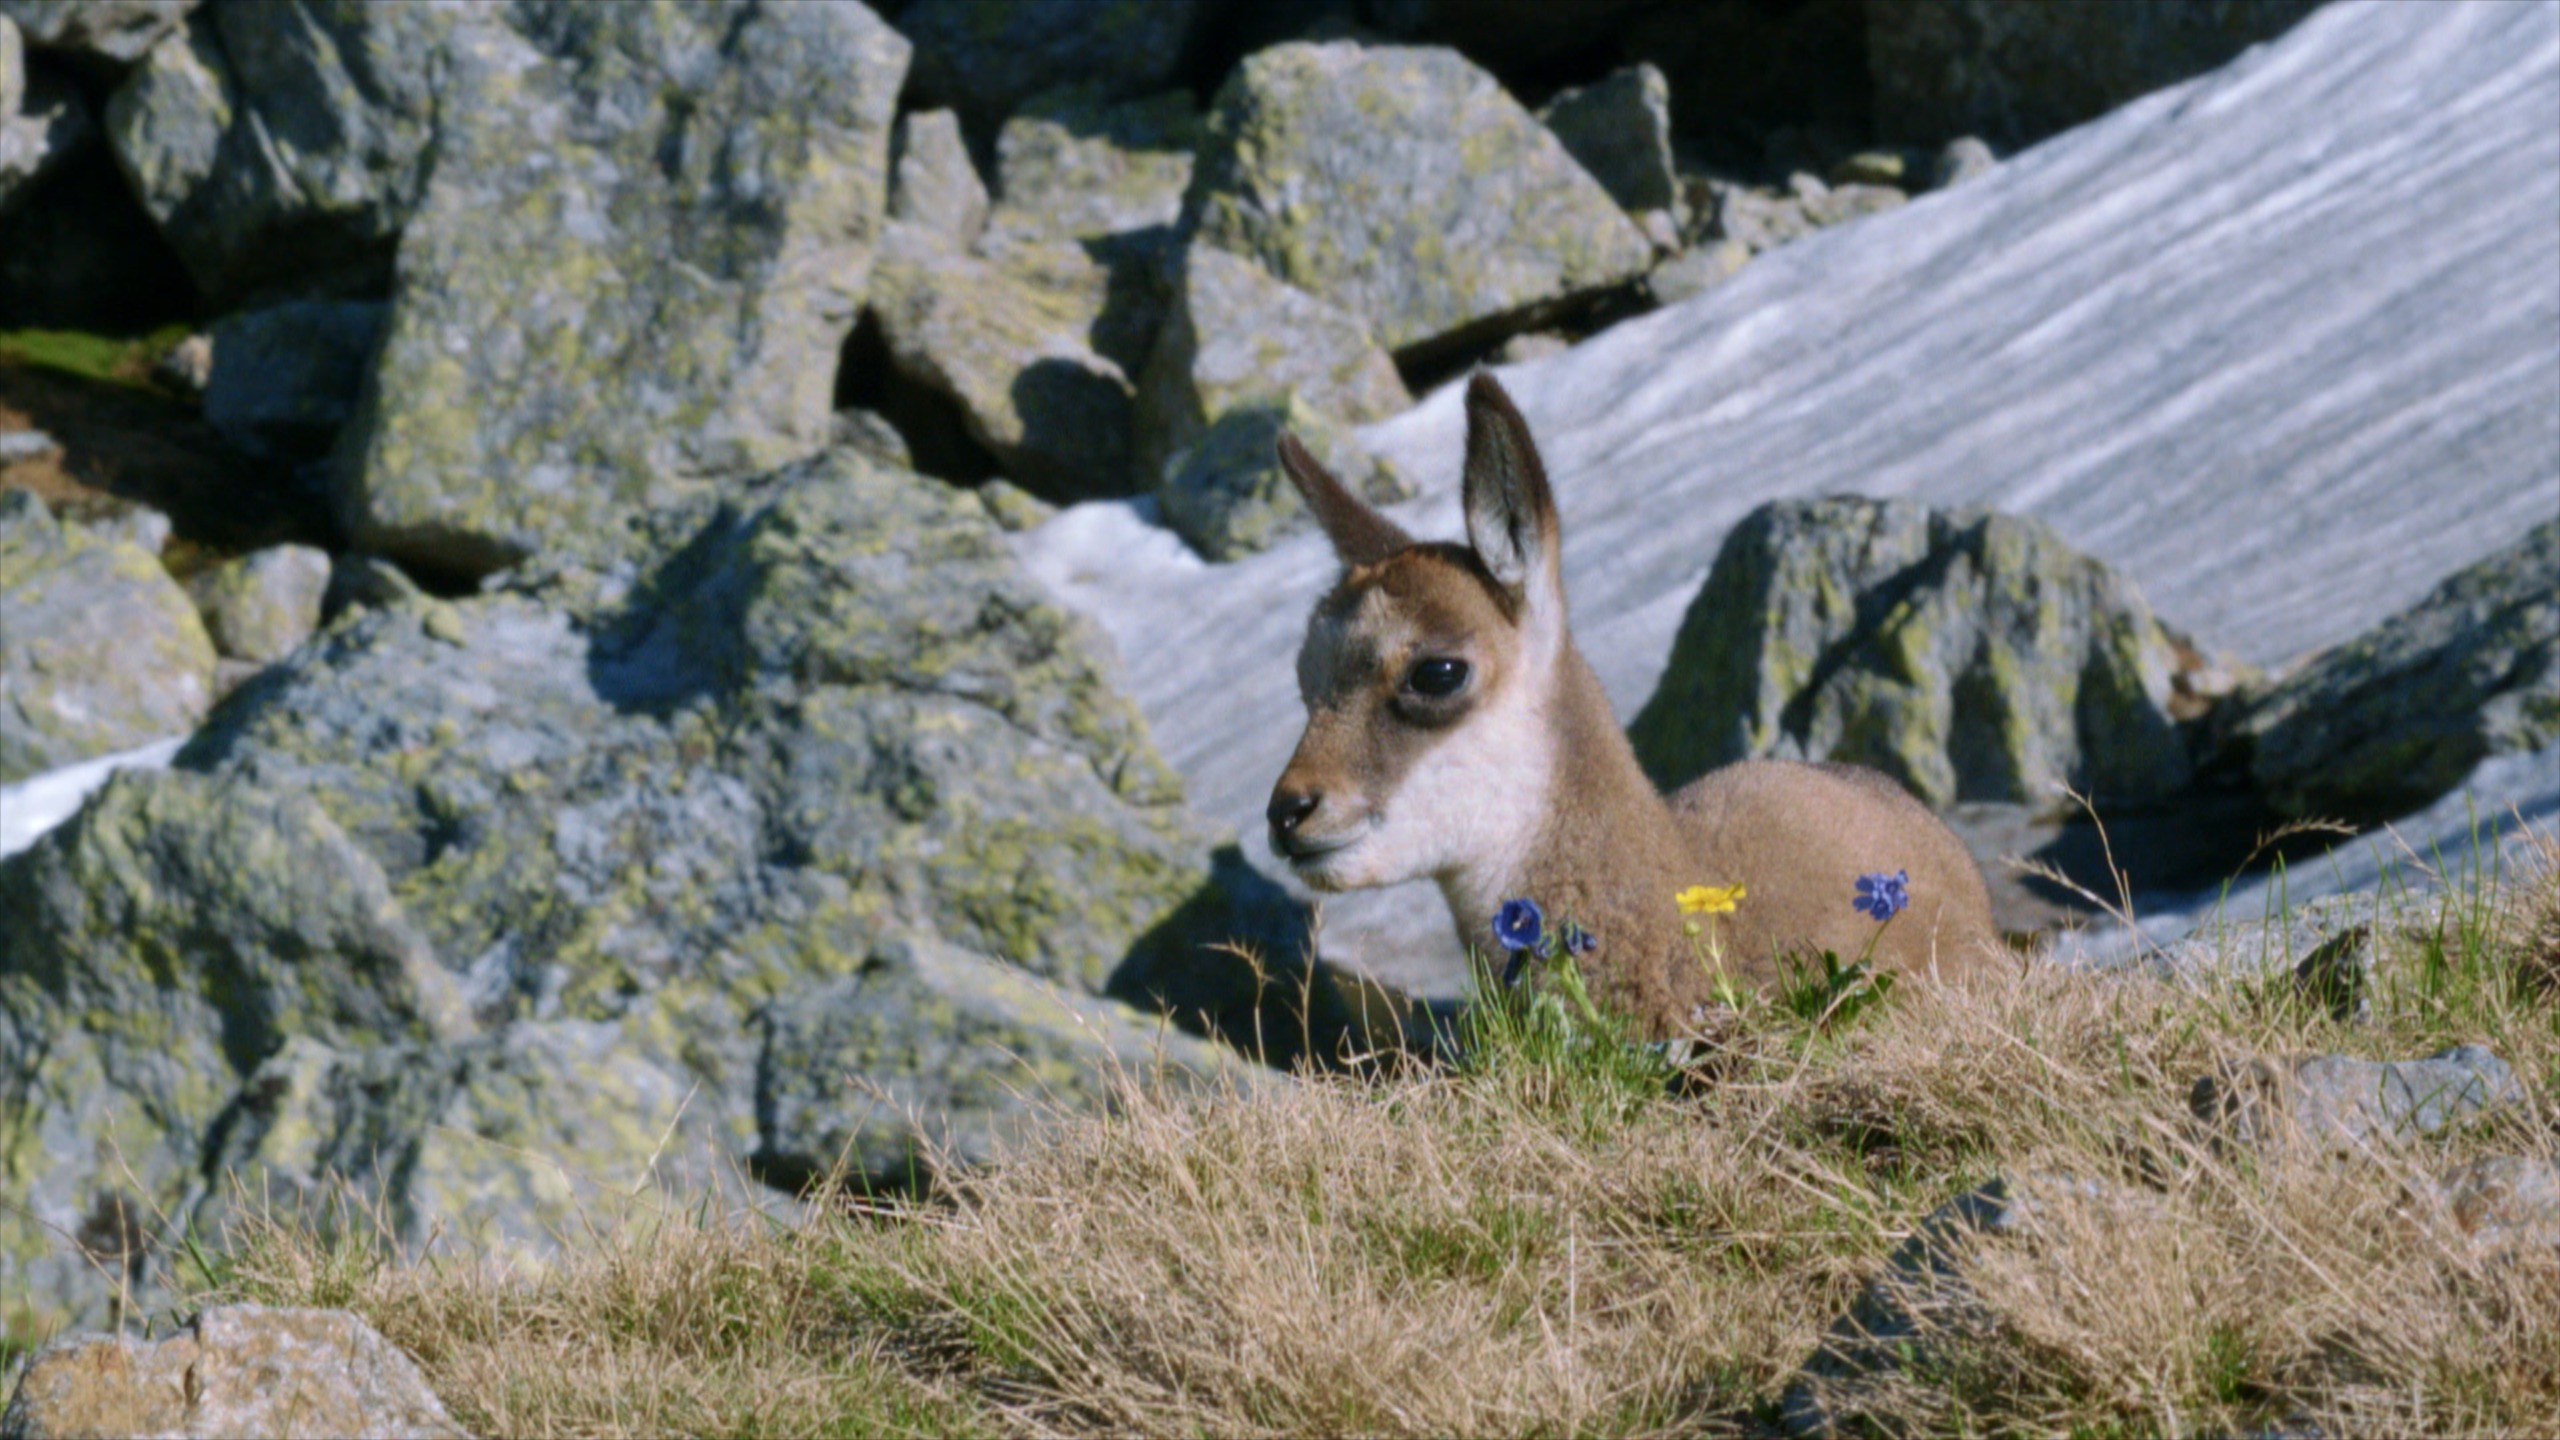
<point>111,359</point>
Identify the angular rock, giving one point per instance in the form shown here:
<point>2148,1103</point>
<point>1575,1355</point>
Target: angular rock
<point>137,525</point>
<point>233,1371</point>
<point>1012,337</point>
<point>284,380</point>
<point>869,434</point>
<point>935,186</point>
<point>1226,492</point>
<point>1070,164</point>
<point>284,146</point>
<point>102,652</point>
<point>364,580</point>
<point>42,119</point>
<point>102,32</point>
<point>848,1075</point>
<point>1968,654</point>
<point>162,945</point>
<point>2505,1202</point>
<point>1964,158</point>
<point>260,606</point>
<point>1756,219</point>
<point>1840,204</point>
<point>2389,721</point>
<point>645,241</point>
<point>1013,507</point>
<point>2340,1104</point>
<point>1233,337</point>
<point>1697,271</point>
<point>2019,70</point>
<point>1406,187</point>
<point>985,57</point>
<point>1620,129</point>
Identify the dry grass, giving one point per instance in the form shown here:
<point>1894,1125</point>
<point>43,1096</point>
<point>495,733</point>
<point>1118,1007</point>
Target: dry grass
<point>1551,1238</point>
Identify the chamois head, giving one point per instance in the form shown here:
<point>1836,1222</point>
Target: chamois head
<point>1425,673</point>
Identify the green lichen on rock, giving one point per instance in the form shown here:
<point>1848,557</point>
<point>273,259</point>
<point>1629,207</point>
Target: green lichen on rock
<point>1228,496</point>
<point>1072,163</point>
<point>1969,654</point>
<point>101,652</point>
<point>1232,337</point>
<point>643,243</point>
<point>1405,186</point>
<point>161,946</point>
<point>261,605</point>
<point>2398,716</point>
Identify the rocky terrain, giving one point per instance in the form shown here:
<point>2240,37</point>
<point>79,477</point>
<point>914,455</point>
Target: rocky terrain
<point>630,600</point>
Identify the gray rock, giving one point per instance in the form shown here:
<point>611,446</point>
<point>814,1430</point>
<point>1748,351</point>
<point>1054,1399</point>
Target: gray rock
<point>1620,129</point>
<point>365,580</point>
<point>2505,1203</point>
<point>284,146</point>
<point>284,380</point>
<point>1406,187</point>
<point>235,1370</point>
<point>102,652</point>
<point>934,185</point>
<point>2019,70</point>
<point>1012,337</point>
<point>1968,654</point>
<point>2340,1104</point>
<point>263,604</point>
<point>42,119</point>
<point>1013,507</point>
<point>1890,168</point>
<point>869,434</point>
<point>137,525</point>
<point>1697,271</point>
<point>617,289</point>
<point>1756,219</point>
<point>1071,164</point>
<point>1233,336</point>
<point>1880,1363</point>
<point>985,57</point>
<point>113,32</point>
<point>17,445</point>
<point>848,1077</point>
<point>1536,345</point>
<point>2396,717</point>
<point>1840,204</point>
<point>1226,492</point>
<point>1964,158</point>
<point>162,944</point>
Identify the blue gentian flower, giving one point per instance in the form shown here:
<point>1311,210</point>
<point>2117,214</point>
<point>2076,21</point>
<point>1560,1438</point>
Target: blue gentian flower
<point>1578,941</point>
<point>1883,896</point>
<point>1519,925</point>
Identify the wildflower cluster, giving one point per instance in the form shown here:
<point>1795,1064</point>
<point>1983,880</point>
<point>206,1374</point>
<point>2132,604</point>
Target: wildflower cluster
<point>1883,896</point>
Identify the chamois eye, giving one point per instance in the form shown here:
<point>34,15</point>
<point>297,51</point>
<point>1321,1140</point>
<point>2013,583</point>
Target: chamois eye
<point>1438,677</point>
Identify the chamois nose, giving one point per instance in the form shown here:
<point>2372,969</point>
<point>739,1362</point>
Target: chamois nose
<point>1288,807</point>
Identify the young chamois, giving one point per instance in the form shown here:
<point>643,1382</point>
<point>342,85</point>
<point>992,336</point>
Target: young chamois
<point>1454,731</point>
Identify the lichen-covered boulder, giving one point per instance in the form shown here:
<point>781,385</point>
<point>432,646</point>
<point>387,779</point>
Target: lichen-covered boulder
<point>42,119</point>
<point>2019,70</point>
<point>284,146</point>
<point>1233,336</point>
<point>927,1054</point>
<point>1013,337</point>
<point>160,947</point>
<point>985,57</point>
<point>101,652</point>
<point>1072,164</point>
<point>1970,655</point>
<point>2385,723</point>
<point>1407,187</point>
<point>100,32</point>
<point>645,240</point>
<point>1620,129</point>
<point>285,379</point>
<point>1226,493</point>
<point>261,605</point>
<point>234,1372</point>
<point>935,185</point>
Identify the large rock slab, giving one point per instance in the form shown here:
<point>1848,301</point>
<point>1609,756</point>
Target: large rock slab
<point>2226,406</point>
<point>2345,1105</point>
<point>1407,187</point>
<point>645,240</point>
<point>161,947</point>
<point>246,1372</point>
<point>936,185</point>
<point>1970,655</point>
<point>1072,164</point>
<point>985,57</point>
<point>2019,70</point>
<point>2396,717</point>
<point>1619,127</point>
<point>102,651</point>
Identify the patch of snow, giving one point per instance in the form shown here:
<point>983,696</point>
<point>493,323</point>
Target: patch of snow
<point>2278,342</point>
<point>38,803</point>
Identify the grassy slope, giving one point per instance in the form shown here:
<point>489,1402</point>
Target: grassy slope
<point>1552,1239</point>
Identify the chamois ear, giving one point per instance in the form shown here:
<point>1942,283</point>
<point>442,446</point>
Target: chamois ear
<point>1360,535</point>
<point>1511,513</point>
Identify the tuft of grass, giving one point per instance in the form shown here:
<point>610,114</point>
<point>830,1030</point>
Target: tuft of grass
<point>1558,1231</point>
<point>109,359</point>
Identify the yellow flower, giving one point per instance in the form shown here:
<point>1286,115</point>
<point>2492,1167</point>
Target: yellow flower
<point>1708,899</point>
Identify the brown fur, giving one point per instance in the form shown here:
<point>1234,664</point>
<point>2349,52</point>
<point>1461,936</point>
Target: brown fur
<point>1523,783</point>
